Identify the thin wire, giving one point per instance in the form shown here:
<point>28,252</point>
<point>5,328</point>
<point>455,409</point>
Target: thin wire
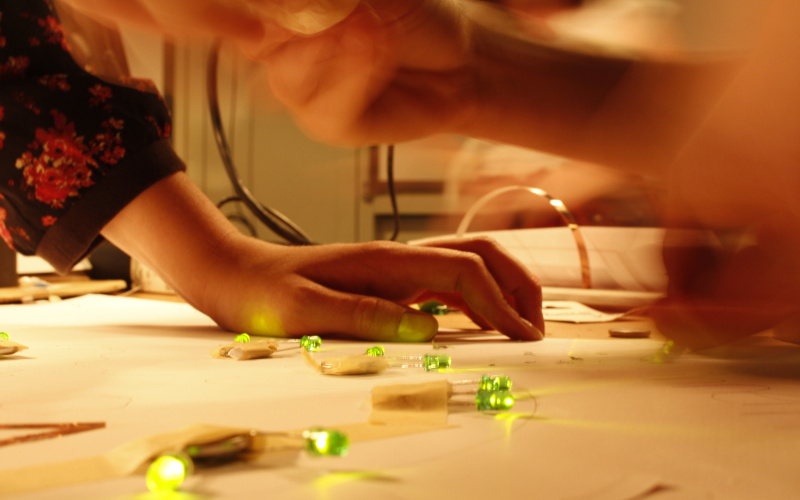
<point>274,220</point>
<point>392,193</point>
<point>558,206</point>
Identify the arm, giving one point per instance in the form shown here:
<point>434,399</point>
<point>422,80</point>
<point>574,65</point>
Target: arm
<point>395,70</point>
<point>403,69</point>
<point>358,290</point>
<point>554,94</point>
<point>740,176</point>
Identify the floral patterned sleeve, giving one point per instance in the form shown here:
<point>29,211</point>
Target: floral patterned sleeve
<point>74,149</point>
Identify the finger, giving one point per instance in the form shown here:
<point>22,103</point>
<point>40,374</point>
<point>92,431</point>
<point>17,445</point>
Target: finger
<point>511,275</point>
<point>360,316</point>
<point>445,270</point>
<point>700,324</point>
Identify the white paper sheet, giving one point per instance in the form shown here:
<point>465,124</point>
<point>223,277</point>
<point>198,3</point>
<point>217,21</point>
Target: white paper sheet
<point>570,311</point>
<point>625,418</point>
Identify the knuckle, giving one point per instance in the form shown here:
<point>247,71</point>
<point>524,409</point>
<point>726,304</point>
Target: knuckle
<point>368,315</point>
<point>484,241</point>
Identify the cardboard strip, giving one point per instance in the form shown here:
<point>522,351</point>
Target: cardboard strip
<point>420,404</point>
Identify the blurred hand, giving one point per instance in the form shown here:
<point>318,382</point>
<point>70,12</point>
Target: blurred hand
<point>391,71</point>
<point>718,294</point>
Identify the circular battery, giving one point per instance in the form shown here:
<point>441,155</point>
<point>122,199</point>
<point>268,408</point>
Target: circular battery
<point>629,333</point>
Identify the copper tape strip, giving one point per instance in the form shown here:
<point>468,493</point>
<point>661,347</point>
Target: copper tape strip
<point>558,205</point>
<point>57,430</point>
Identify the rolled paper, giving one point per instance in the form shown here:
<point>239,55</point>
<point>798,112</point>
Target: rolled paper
<point>353,365</point>
<point>347,365</point>
<point>8,347</point>
<point>241,351</point>
<point>424,403</point>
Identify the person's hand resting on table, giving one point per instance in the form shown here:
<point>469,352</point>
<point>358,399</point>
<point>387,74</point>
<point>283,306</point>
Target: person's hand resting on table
<point>355,290</point>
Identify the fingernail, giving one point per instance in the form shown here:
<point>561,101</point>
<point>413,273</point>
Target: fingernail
<point>538,334</point>
<point>416,327</point>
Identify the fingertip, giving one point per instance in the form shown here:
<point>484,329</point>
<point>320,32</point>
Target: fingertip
<point>416,326</point>
<point>532,332</point>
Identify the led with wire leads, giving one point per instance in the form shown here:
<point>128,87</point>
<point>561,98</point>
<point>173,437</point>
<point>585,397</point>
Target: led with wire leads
<point>434,307</point>
<point>429,362</point>
<point>307,342</point>
<point>488,400</point>
<point>494,383</point>
<point>169,471</point>
<point>484,383</point>
<point>310,343</point>
<point>377,351</point>
<point>492,392</point>
<point>324,442</point>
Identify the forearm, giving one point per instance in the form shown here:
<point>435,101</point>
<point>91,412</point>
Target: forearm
<point>175,230</point>
<point>577,101</point>
<point>360,290</point>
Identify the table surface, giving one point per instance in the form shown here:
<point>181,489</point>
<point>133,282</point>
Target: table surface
<point>595,417</point>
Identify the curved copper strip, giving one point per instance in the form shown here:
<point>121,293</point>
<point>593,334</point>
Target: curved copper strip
<point>558,205</point>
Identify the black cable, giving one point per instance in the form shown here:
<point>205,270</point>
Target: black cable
<point>274,220</point>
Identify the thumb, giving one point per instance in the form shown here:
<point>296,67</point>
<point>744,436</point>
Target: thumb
<point>372,318</point>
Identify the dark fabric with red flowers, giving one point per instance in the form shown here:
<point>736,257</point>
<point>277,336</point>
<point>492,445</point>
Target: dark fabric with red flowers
<point>62,130</point>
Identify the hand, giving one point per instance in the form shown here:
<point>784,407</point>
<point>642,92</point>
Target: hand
<point>738,176</point>
<point>391,71</point>
<point>355,290</point>
<point>364,290</point>
<point>718,295</point>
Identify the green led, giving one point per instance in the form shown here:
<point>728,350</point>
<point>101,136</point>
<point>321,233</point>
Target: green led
<point>435,361</point>
<point>310,343</point>
<point>494,383</point>
<point>377,351</point>
<point>494,400</point>
<point>324,443</point>
<point>434,307</point>
<point>3,336</point>
<point>168,472</point>
<point>242,337</point>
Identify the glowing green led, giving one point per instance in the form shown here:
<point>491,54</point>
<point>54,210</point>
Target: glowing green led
<point>168,472</point>
<point>242,337</point>
<point>496,383</point>
<point>310,343</point>
<point>3,336</point>
<point>435,361</point>
<point>322,442</point>
<point>494,400</point>
<point>377,351</point>
<point>434,307</point>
